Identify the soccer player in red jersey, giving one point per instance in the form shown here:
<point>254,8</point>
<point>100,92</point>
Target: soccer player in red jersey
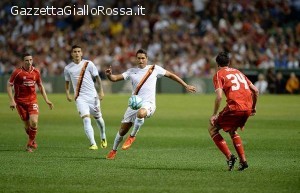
<point>241,100</point>
<point>23,80</point>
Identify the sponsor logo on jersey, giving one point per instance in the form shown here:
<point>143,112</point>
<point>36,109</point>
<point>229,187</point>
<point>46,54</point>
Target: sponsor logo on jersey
<point>29,83</point>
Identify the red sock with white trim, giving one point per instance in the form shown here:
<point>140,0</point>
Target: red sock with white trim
<point>238,145</point>
<point>32,133</point>
<point>221,144</point>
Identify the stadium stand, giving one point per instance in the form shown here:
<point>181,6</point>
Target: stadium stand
<point>184,36</point>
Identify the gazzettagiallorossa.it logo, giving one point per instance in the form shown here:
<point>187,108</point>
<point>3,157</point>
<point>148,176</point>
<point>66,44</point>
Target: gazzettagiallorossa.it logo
<point>74,10</point>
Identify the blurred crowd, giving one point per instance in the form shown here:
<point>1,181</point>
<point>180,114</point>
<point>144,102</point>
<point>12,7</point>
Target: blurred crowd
<point>183,36</point>
<point>276,83</point>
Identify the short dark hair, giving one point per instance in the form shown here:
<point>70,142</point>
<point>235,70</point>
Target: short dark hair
<point>75,46</point>
<point>141,51</point>
<point>222,59</point>
<point>25,55</point>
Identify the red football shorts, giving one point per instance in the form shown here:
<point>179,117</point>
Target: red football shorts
<point>228,120</point>
<point>27,109</point>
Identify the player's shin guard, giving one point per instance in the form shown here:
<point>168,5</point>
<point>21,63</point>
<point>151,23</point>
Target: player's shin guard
<point>117,141</point>
<point>89,131</point>
<point>137,125</point>
<point>238,145</point>
<point>101,125</point>
<point>31,141</point>
<point>32,133</point>
<point>222,145</point>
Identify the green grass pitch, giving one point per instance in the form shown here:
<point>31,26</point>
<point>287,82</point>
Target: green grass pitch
<point>172,153</point>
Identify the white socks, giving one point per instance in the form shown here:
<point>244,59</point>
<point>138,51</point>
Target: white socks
<point>101,126</point>
<point>137,125</point>
<point>89,131</point>
<point>117,141</point>
<point>138,122</point>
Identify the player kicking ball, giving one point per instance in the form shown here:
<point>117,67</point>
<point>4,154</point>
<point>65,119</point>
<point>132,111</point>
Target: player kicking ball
<point>143,80</point>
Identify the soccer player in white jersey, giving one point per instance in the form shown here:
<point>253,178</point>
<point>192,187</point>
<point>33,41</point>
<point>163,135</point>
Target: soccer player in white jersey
<point>81,73</point>
<point>147,92</point>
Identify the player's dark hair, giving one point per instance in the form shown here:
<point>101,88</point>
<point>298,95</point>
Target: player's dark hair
<point>222,59</point>
<point>75,46</point>
<point>141,51</point>
<point>25,55</point>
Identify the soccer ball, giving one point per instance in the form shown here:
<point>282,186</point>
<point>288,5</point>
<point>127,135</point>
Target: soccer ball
<point>135,102</point>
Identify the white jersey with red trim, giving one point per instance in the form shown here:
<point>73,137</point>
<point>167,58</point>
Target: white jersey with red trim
<point>148,90</point>
<point>73,73</point>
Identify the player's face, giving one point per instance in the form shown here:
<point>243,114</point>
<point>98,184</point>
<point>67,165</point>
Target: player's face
<point>28,61</point>
<point>76,55</point>
<point>141,59</point>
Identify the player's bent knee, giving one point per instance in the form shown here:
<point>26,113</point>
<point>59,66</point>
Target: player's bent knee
<point>142,113</point>
<point>212,130</point>
<point>33,124</point>
<point>232,132</point>
<point>84,116</point>
<point>97,117</point>
<point>211,133</point>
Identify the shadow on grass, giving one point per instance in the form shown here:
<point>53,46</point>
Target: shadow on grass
<point>12,150</point>
<point>172,169</point>
<point>74,158</point>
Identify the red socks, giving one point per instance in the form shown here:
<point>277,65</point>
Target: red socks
<point>237,142</point>
<point>32,133</point>
<point>238,145</point>
<point>221,144</point>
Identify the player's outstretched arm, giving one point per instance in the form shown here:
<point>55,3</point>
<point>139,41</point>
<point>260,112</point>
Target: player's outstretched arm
<point>174,77</point>
<point>99,82</point>
<point>111,77</point>
<point>44,94</point>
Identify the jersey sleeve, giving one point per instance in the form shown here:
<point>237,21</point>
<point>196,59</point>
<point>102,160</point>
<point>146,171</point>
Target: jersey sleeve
<point>13,77</point>
<point>66,74</point>
<point>218,81</point>
<point>126,74</point>
<point>92,69</point>
<point>160,71</point>
<point>38,77</point>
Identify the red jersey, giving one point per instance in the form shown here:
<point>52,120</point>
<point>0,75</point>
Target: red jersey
<point>236,88</point>
<point>24,84</point>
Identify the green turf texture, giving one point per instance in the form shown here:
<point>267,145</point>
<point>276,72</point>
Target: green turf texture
<point>172,152</point>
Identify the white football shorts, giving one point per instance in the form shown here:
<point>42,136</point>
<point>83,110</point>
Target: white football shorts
<point>130,114</point>
<point>89,107</point>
